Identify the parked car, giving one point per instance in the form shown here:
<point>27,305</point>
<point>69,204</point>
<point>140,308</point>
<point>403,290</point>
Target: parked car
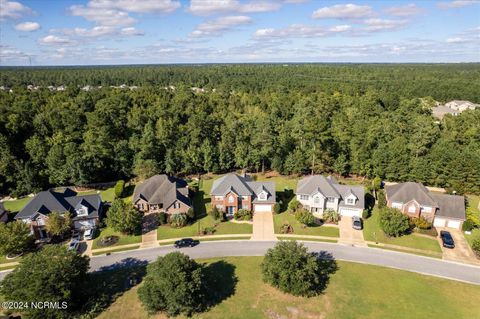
<point>357,223</point>
<point>88,234</point>
<point>186,242</point>
<point>447,239</point>
<point>74,245</point>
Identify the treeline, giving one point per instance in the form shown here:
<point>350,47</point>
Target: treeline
<point>77,137</point>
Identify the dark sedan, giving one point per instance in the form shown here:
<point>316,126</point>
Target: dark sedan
<point>447,239</point>
<point>186,242</point>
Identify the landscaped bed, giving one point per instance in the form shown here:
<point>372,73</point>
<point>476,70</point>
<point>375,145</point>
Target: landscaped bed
<point>300,229</point>
<point>373,232</point>
<point>122,239</point>
<point>354,291</point>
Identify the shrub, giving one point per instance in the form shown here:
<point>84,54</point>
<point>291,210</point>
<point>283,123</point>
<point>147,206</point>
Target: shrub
<point>209,230</point>
<point>468,225</point>
<point>289,267</point>
<point>214,213</point>
<point>422,223</point>
<point>377,183</point>
<point>331,216</point>
<point>124,218</point>
<point>178,220</point>
<point>15,238</point>
<point>119,188</point>
<point>162,218</point>
<point>365,214</point>
<point>243,214</point>
<point>191,214</point>
<point>393,222</point>
<point>286,229</point>
<point>430,232</point>
<point>174,284</point>
<point>382,201</point>
<point>276,208</point>
<point>476,245</point>
<point>293,205</point>
<point>305,217</point>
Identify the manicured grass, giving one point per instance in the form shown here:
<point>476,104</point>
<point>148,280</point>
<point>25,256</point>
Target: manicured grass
<point>439,256</point>
<point>307,239</point>
<point>107,195</point>
<point>298,228</point>
<point>354,291</point>
<point>373,232</point>
<point>281,182</point>
<point>94,253</point>
<point>4,260</point>
<point>470,238</point>
<point>171,242</point>
<point>15,206</point>
<point>123,239</point>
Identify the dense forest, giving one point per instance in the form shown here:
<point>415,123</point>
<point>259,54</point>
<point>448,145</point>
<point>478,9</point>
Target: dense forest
<point>349,119</point>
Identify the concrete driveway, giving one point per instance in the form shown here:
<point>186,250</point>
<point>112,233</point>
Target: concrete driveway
<point>348,235</point>
<point>263,226</point>
<point>462,251</point>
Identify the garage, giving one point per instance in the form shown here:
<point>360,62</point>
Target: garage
<point>454,224</point>
<point>439,222</point>
<point>350,212</point>
<point>447,222</point>
<point>262,208</point>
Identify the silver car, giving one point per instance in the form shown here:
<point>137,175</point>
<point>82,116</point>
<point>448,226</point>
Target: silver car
<point>357,223</point>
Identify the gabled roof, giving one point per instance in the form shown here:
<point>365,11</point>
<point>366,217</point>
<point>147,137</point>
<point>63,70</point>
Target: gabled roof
<point>221,185</point>
<point>162,189</point>
<point>405,192</point>
<point>59,201</point>
<point>347,190</point>
<point>311,184</point>
<point>259,187</point>
<point>452,206</point>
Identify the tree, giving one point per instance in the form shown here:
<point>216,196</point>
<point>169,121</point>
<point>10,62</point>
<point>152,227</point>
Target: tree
<point>174,284</point>
<point>289,267</point>
<point>59,224</point>
<point>393,222</point>
<point>293,205</point>
<point>215,213</point>
<point>15,238</point>
<point>54,275</point>
<point>124,218</point>
<point>476,245</point>
<point>305,217</point>
<point>382,201</point>
<point>119,188</point>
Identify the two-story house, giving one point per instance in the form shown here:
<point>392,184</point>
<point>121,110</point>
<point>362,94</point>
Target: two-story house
<point>232,192</point>
<point>415,200</point>
<point>85,210</point>
<point>318,193</point>
<point>162,193</point>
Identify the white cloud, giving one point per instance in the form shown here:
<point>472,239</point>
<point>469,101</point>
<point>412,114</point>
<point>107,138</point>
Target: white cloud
<point>456,40</point>
<point>457,4</point>
<point>404,11</point>
<point>27,26</point>
<point>13,10</point>
<point>343,11</point>
<point>104,17</point>
<point>383,24</point>
<point>98,32</point>
<point>55,40</point>
<point>300,31</point>
<point>138,6</point>
<point>131,31</point>
<point>219,25</point>
<point>208,7</point>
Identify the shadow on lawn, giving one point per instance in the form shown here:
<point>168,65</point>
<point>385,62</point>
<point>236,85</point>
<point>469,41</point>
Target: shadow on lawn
<point>110,282</point>
<point>221,281</point>
<point>328,266</point>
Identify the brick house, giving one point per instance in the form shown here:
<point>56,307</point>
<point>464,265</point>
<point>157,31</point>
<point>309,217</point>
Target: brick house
<point>232,192</point>
<point>162,193</point>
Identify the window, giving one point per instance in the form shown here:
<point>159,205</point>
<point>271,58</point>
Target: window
<point>262,196</point>
<point>426,209</point>
<point>218,197</point>
<point>411,209</point>
<point>330,199</point>
<point>350,201</point>
<point>397,205</point>
<point>304,197</point>
<point>231,199</point>
<point>316,200</point>
<point>244,197</point>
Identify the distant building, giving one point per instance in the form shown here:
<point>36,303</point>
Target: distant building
<point>454,108</point>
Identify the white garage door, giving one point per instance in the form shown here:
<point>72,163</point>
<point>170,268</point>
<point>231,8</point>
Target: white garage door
<point>453,224</point>
<point>439,222</point>
<point>350,212</point>
<point>263,208</point>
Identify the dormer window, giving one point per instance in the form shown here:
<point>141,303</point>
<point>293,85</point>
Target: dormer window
<point>82,211</point>
<point>351,201</point>
<point>317,200</point>
<point>330,199</point>
<point>262,196</point>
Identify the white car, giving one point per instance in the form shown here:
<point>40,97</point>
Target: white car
<point>88,234</point>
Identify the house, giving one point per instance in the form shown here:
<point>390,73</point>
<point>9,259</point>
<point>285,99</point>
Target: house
<point>3,214</point>
<point>460,105</point>
<point>415,200</point>
<point>232,192</point>
<point>318,193</point>
<point>85,209</point>
<point>442,110</point>
<point>162,193</point>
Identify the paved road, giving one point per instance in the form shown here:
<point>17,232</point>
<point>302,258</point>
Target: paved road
<point>374,256</point>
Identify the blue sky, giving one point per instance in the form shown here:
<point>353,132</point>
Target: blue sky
<point>83,32</point>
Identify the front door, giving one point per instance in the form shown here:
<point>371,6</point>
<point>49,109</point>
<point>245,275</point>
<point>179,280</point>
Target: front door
<point>230,210</point>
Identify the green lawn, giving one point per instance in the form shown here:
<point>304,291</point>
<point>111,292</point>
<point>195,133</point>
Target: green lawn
<point>475,234</point>
<point>372,232</point>
<point>123,239</point>
<point>115,250</point>
<point>298,229</point>
<point>15,206</point>
<point>354,291</point>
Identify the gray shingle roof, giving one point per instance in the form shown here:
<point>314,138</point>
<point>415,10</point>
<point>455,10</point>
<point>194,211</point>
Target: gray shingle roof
<point>55,201</point>
<point>243,186</point>
<point>405,192</point>
<point>311,184</point>
<point>452,206</point>
<point>162,189</point>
